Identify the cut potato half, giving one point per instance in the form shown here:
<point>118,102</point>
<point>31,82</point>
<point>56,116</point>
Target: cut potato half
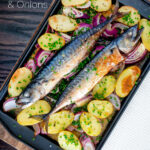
<point>18,82</point>
<point>101,5</point>
<point>127,80</point>
<point>100,109</point>
<point>131,18</point>
<point>60,121</point>
<point>69,141</point>
<point>38,108</point>
<point>51,41</point>
<point>144,23</point>
<point>62,23</point>
<point>90,124</point>
<point>105,87</point>
<point>73,2</point>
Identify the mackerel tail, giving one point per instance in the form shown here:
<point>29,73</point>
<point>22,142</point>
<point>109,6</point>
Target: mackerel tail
<point>63,63</point>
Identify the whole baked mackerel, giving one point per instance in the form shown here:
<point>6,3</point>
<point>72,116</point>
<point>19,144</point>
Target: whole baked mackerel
<point>63,63</point>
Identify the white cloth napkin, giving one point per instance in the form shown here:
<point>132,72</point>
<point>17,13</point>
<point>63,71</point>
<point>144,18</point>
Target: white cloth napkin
<point>132,132</point>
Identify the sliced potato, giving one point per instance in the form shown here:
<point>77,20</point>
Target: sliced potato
<point>90,124</point>
<point>38,108</point>
<point>73,2</point>
<point>108,13</point>
<point>100,109</point>
<point>62,23</point>
<point>18,82</point>
<point>60,121</point>
<point>127,80</point>
<point>131,18</point>
<point>51,41</point>
<point>146,33</point>
<point>105,87</point>
<point>101,5</point>
<point>69,141</point>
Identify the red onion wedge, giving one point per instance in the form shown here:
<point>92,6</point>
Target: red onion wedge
<point>42,128</point>
<point>136,55</point>
<point>37,129</point>
<point>66,37</point>
<point>52,54</point>
<point>37,45</point>
<point>70,128</point>
<point>83,27</point>
<point>68,76</point>
<point>41,57</point>
<point>83,101</point>
<point>97,49</point>
<point>76,122</point>
<point>74,13</point>
<point>87,142</point>
<point>10,104</point>
<point>115,100</point>
<point>98,19</point>
<point>84,6</point>
<point>31,65</point>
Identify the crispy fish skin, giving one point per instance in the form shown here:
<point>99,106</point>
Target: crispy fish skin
<point>102,63</point>
<point>63,63</point>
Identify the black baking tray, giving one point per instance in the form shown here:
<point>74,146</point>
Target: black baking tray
<point>25,134</point>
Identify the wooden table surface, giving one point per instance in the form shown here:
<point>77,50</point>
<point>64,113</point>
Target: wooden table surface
<point>18,21</point>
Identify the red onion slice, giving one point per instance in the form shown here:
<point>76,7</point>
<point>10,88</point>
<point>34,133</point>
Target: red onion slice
<point>84,6</point>
<point>98,19</point>
<point>84,100</point>
<point>87,142</point>
<point>136,55</point>
<point>31,65</point>
<point>70,128</point>
<point>83,27</point>
<point>10,104</point>
<point>115,100</point>
<point>42,129</point>
<point>41,57</point>
<point>74,13</point>
<point>66,37</point>
<point>37,129</point>
<point>97,49</point>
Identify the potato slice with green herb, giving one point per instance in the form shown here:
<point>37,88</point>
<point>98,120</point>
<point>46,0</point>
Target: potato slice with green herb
<point>51,41</point>
<point>131,18</point>
<point>38,108</point>
<point>73,2</point>
<point>90,124</point>
<point>62,23</point>
<point>69,141</point>
<point>105,87</point>
<point>100,109</point>
<point>101,5</point>
<point>127,80</point>
<point>146,33</point>
<point>18,82</point>
<point>60,121</point>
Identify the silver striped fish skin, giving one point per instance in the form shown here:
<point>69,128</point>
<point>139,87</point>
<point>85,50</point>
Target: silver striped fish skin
<point>102,63</point>
<point>63,63</point>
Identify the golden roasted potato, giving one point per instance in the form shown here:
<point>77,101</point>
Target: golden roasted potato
<point>69,141</point>
<point>146,33</point>
<point>73,2</point>
<point>105,87</point>
<point>38,108</point>
<point>90,124</point>
<point>51,41</point>
<point>127,80</point>
<point>18,82</point>
<point>60,121</point>
<point>100,109</point>
<point>62,23</point>
<point>131,18</point>
<point>101,5</point>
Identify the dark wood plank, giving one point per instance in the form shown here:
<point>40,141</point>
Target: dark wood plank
<point>17,25</point>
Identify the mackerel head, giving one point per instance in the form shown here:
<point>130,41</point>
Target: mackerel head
<point>63,63</point>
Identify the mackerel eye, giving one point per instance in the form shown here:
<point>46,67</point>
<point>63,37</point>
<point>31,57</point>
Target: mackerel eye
<point>26,94</point>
